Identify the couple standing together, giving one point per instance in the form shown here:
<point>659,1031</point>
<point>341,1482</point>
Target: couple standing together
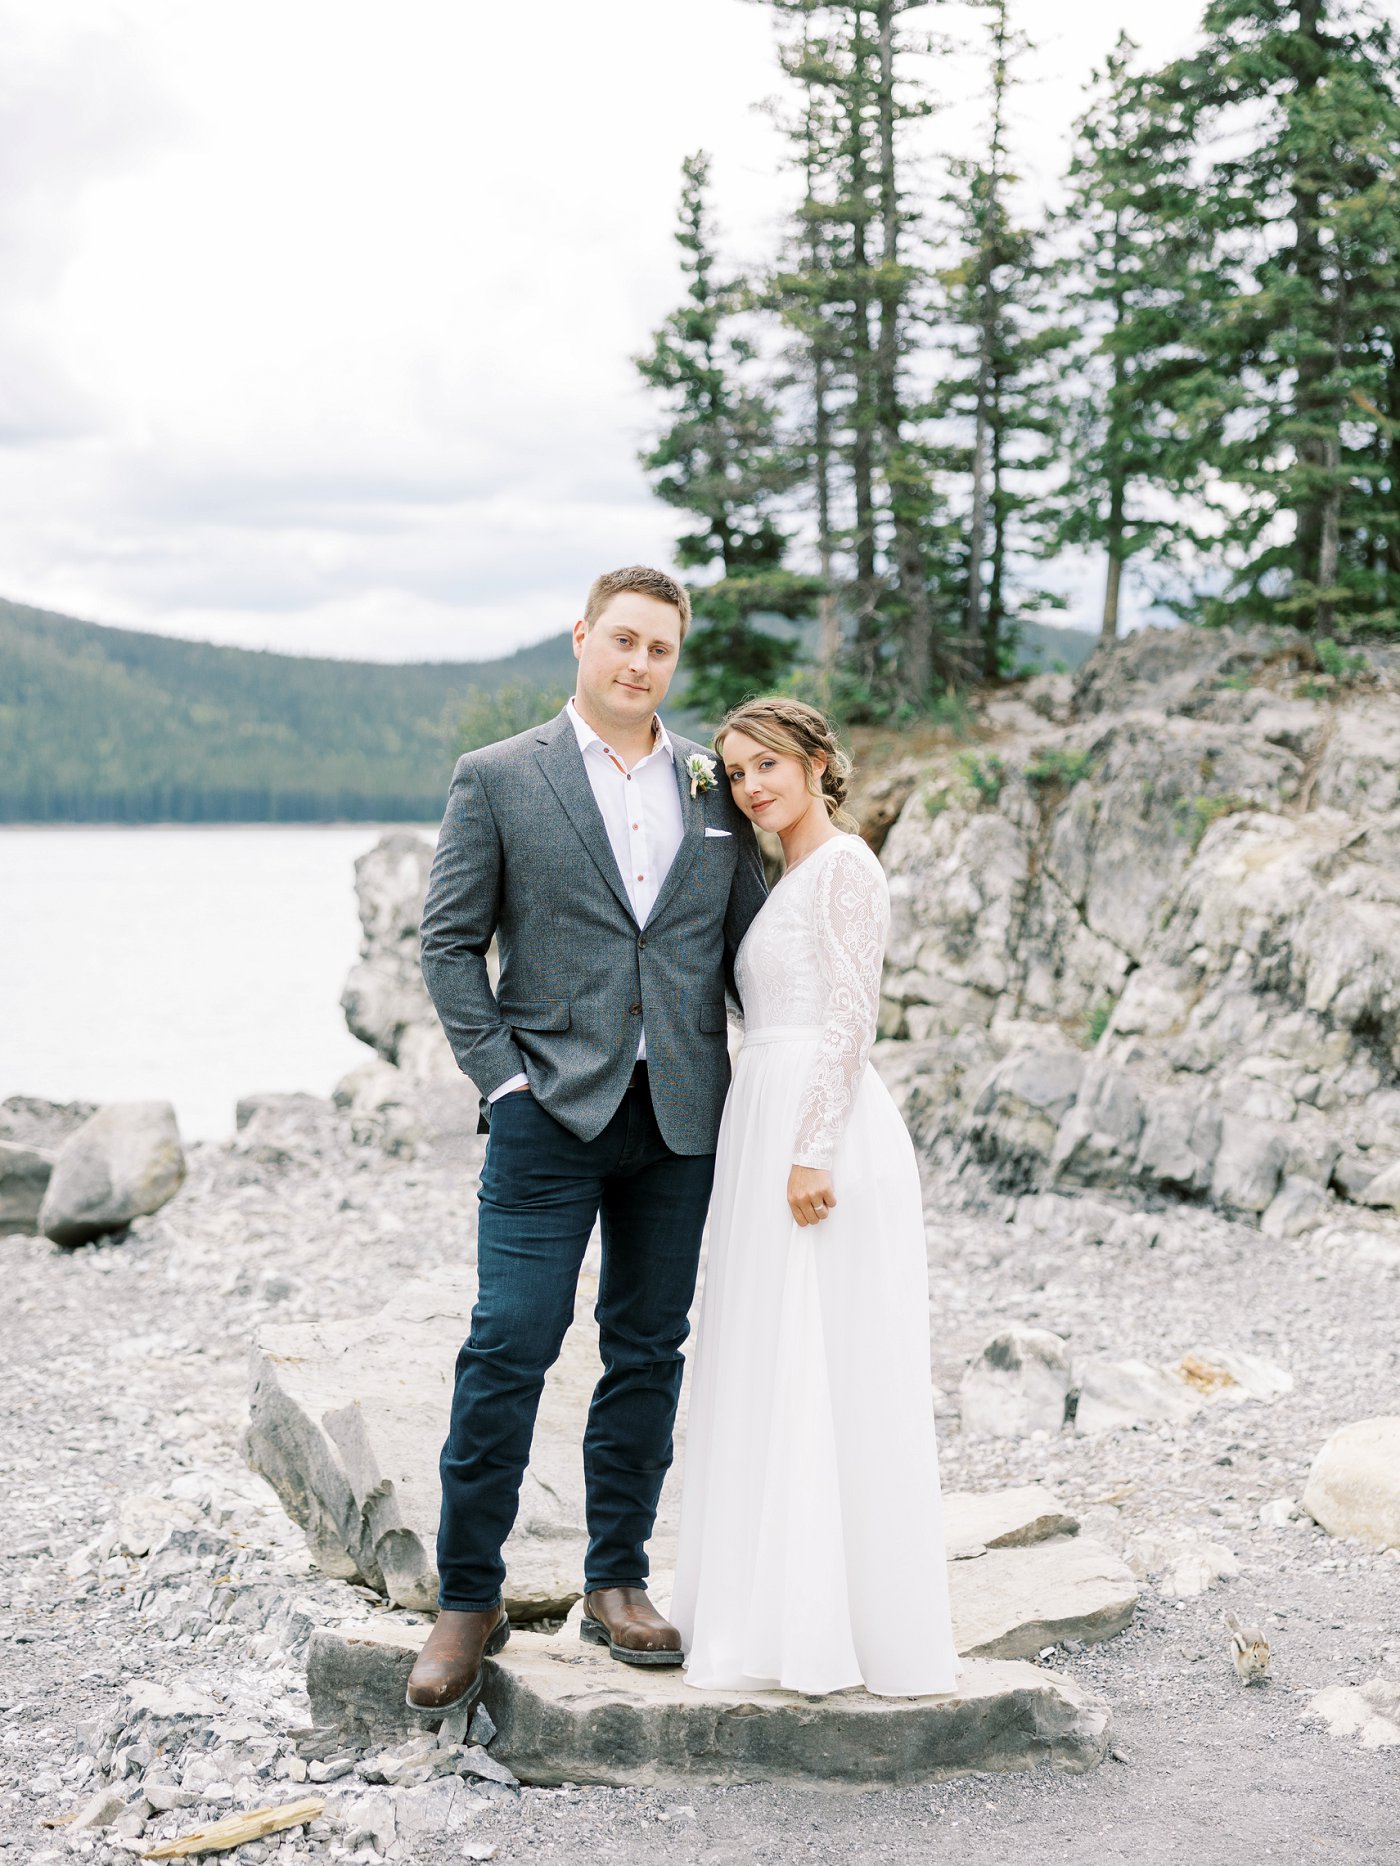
<point>617,868</point>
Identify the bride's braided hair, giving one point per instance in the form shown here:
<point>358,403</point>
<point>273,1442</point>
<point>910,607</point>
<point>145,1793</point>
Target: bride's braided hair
<point>792,726</point>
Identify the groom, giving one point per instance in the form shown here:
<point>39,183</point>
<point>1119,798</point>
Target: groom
<point>618,878</point>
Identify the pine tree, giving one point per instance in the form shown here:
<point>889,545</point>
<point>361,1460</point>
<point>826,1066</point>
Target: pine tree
<point>1303,221</point>
<point>720,459</point>
<point>1142,303</point>
<point>853,286</point>
<point>998,384</point>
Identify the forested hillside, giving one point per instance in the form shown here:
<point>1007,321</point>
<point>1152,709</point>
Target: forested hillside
<point>110,725</point>
<point>107,725</point>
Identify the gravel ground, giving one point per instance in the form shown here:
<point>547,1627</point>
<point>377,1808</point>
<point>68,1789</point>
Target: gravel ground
<point>127,1379</point>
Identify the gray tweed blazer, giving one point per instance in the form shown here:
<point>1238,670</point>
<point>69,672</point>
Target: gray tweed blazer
<point>523,855</point>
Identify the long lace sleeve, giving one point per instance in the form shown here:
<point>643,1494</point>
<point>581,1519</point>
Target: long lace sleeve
<point>852,916</point>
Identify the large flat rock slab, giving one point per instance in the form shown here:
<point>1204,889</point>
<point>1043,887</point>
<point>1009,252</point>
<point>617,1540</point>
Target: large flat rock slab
<point>1012,1602</point>
<point>994,1519</point>
<point>567,1712</point>
<point>347,1420</point>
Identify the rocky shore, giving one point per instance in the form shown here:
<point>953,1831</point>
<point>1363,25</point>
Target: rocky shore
<point>1164,1269</point>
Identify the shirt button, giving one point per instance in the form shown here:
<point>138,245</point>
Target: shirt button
<point>641,877</point>
<point>636,826</point>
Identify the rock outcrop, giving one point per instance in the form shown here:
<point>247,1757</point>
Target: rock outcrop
<point>1161,937</point>
<point>346,1421</point>
<point>385,1001</point>
<point>123,1163</point>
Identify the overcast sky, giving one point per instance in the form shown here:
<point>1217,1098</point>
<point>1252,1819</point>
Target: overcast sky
<point>317,314</point>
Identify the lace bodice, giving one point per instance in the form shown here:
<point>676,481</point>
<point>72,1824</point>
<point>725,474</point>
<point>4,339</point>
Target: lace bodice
<point>813,956</point>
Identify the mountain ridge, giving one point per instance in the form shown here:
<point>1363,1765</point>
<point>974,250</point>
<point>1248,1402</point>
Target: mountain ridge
<point>102,724</point>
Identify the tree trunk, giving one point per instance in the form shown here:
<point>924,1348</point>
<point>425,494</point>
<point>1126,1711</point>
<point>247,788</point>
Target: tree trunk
<point>1392,454</point>
<point>829,631</point>
<point>996,583</point>
<point>1109,629</point>
<point>977,539</point>
<point>917,657</point>
<point>1329,545</point>
<point>1313,410</point>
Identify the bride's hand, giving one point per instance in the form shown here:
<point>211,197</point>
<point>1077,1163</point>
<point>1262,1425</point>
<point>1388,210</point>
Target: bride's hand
<point>810,1194</point>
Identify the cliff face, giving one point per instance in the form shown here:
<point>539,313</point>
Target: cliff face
<point>1146,935</point>
<point>1148,938</point>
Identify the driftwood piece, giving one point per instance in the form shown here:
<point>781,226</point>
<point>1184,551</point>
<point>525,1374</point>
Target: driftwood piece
<point>239,1828</point>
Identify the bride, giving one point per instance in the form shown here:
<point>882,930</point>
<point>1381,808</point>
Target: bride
<point>811,1542</point>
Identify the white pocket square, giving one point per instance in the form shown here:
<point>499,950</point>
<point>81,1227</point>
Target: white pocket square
<point>717,832</point>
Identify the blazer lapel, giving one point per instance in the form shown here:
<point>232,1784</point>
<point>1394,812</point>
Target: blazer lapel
<point>562,763</point>
<point>692,834</point>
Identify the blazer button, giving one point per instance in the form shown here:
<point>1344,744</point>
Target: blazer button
<point>634,1010</point>
<point>640,943</point>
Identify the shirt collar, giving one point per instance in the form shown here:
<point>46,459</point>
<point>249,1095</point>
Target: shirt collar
<point>586,736</point>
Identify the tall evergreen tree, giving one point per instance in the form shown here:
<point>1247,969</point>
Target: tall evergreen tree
<point>720,458</point>
<point>1142,304</point>
<point>999,384</point>
<point>854,286</point>
<point>806,291</point>
<point>1302,209</point>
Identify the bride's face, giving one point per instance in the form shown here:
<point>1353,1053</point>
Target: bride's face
<point>769,787</point>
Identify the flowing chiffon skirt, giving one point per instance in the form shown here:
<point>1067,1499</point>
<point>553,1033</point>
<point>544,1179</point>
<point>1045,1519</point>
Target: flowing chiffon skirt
<point>811,1552</point>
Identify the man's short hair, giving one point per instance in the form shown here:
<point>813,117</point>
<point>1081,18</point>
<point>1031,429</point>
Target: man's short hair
<point>645,581</point>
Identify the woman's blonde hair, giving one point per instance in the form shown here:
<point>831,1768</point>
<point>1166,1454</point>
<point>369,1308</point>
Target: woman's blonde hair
<point>792,726</point>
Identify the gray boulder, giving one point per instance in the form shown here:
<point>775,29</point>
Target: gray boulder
<point>1249,1165</point>
<point>1017,1115</point>
<point>24,1178</point>
<point>385,1001</point>
<point>1130,1393</point>
<point>124,1163</point>
<point>1370,1712</point>
<point>1018,1384</point>
<point>1098,1138</point>
<point>1133,1393</point>
<point>30,1121</point>
<point>1299,1205</point>
<point>1353,1488</point>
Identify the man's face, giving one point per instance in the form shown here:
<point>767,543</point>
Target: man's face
<point>626,660</point>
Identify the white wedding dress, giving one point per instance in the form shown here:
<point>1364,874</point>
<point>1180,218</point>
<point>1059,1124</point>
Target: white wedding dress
<point>811,1551</point>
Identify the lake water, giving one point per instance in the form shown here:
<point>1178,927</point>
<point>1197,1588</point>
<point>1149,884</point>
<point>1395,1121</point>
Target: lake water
<point>190,964</point>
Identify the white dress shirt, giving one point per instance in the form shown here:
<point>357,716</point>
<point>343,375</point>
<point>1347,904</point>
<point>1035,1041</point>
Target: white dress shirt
<point>641,811</point>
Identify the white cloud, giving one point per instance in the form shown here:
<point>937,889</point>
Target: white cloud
<point>319,315</point>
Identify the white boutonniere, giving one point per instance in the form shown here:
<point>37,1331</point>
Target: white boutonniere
<point>702,772</point>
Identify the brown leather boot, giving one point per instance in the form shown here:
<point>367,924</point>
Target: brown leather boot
<point>449,1669</point>
<point>624,1620</point>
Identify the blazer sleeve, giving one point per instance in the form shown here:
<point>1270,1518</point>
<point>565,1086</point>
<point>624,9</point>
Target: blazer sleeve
<point>747,893</point>
<point>460,913</point>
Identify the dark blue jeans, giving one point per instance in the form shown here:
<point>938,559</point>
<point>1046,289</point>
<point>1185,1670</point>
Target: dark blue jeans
<point>541,1189</point>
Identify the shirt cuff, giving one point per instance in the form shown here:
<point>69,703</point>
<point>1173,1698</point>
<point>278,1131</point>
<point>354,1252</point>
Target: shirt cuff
<point>509,1087</point>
